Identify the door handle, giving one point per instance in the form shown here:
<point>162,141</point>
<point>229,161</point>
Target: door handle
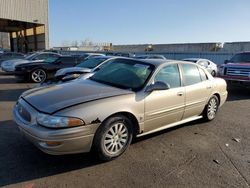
<point>180,93</point>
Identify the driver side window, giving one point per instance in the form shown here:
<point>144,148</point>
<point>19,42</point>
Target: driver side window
<point>169,75</point>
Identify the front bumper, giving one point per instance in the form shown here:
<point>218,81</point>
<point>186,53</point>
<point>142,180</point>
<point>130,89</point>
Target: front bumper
<point>237,80</point>
<point>70,140</point>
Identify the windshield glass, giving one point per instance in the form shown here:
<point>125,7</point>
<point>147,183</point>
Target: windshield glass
<point>30,57</point>
<point>190,60</point>
<point>91,63</point>
<point>51,59</point>
<point>244,57</point>
<point>125,74</point>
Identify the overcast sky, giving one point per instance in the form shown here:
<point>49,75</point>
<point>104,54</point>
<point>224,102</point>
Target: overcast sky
<point>149,21</point>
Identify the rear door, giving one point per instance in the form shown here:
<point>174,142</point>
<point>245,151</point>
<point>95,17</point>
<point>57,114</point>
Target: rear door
<point>165,106</point>
<point>197,89</point>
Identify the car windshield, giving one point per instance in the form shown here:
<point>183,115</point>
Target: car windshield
<point>244,57</point>
<point>190,60</point>
<point>91,63</point>
<point>125,74</point>
<point>30,57</point>
<point>51,59</point>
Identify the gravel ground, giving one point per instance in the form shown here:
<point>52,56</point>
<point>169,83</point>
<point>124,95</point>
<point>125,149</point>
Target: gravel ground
<point>196,154</point>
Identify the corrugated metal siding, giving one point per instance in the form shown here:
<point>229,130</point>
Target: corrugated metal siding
<point>216,57</point>
<point>25,10</point>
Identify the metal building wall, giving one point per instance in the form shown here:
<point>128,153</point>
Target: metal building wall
<point>33,11</point>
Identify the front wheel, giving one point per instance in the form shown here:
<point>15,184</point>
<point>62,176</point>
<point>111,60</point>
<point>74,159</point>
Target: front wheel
<point>38,76</point>
<point>211,108</point>
<point>113,137</point>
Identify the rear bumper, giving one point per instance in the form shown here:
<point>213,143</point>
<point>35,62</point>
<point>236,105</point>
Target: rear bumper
<point>68,141</point>
<point>223,98</point>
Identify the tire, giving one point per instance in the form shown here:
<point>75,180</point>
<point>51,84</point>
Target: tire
<point>113,137</point>
<point>38,76</point>
<point>213,73</point>
<point>211,108</point>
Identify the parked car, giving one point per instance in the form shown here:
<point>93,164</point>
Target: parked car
<point>237,69</point>
<point>207,64</point>
<point>150,56</point>
<point>126,98</point>
<point>90,55</point>
<point>88,66</point>
<point>41,71</point>
<point>120,54</point>
<point>10,55</point>
<point>9,65</point>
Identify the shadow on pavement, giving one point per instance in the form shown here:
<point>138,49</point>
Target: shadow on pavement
<point>238,93</point>
<point>21,161</point>
<point>10,95</point>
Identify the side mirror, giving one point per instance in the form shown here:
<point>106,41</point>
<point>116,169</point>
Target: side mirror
<point>157,86</point>
<point>226,61</point>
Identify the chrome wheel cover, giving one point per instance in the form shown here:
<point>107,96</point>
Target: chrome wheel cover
<point>38,76</point>
<point>116,138</point>
<point>212,108</point>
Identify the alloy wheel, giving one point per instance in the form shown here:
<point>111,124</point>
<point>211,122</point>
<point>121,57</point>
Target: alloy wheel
<point>116,138</point>
<point>38,76</point>
<point>212,108</point>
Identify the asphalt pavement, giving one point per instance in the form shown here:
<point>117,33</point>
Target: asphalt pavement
<point>197,154</point>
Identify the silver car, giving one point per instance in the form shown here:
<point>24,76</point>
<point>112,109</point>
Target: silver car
<point>150,56</point>
<point>9,65</point>
<point>207,64</point>
<point>89,65</point>
<point>127,98</point>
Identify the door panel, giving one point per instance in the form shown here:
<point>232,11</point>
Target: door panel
<point>196,98</point>
<point>163,107</point>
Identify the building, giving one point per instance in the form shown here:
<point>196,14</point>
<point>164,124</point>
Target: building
<point>26,22</point>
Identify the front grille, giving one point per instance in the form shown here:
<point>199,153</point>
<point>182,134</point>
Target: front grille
<point>24,114</point>
<point>238,71</point>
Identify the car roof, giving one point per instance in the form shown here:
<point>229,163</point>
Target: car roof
<point>157,62</point>
<point>195,59</point>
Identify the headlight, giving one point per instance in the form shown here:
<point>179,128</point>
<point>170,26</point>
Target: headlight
<point>57,121</point>
<point>221,69</point>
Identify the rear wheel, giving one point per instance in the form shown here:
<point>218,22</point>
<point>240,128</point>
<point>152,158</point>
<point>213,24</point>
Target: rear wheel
<point>113,137</point>
<point>38,76</point>
<point>213,73</point>
<point>211,108</point>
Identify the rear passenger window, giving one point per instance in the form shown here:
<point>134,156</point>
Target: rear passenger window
<point>203,75</point>
<point>191,74</point>
<point>169,75</point>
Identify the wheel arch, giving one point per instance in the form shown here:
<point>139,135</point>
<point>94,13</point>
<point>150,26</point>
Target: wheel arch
<point>218,96</point>
<point>129,115</point>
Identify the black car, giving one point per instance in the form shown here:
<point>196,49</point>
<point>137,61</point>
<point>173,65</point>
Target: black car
<point>40,71</point>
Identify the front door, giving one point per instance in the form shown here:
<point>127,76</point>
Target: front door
<point>165,106</point>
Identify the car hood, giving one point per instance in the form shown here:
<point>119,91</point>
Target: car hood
<point>72,70</point>
<point>15,62</point>
<point>50,99</point>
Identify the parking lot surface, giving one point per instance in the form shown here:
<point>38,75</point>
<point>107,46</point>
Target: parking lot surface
<point>197,154</point>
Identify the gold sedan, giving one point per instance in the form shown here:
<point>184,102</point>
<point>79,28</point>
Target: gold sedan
<point>126,98</point>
